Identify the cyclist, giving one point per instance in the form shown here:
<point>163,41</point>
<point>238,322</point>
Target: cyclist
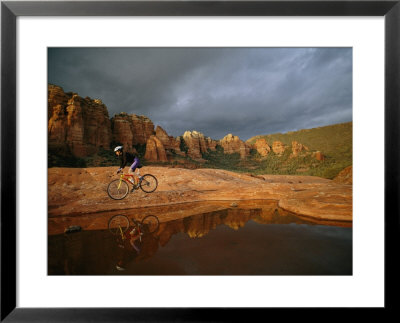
<point>127,158</point>
<point>128,246</point>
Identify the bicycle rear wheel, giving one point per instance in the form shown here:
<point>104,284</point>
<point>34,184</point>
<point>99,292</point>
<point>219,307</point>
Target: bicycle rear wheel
<point>118,224</point>
<point>150,223</point>
<point>118,189</point>
<point>148,183</point>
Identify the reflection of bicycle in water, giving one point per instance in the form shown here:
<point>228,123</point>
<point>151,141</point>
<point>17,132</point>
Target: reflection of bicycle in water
<point>119,188</point>
<point>127,234</point>
<point>119,224</point>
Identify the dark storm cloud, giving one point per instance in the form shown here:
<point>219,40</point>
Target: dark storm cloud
<point>244,91</point>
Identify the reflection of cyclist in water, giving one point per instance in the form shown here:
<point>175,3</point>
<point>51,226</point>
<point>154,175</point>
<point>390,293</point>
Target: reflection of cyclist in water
<point>135,249</point>
<point>131,245</point>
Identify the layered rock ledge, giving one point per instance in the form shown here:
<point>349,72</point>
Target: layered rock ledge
<point>79,192</point>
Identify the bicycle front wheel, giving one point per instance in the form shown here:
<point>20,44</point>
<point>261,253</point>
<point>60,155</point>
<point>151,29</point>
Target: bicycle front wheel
<point>150,223</point>
<point>118,189</point>
<point>148,183</point>
<point>118,224</point>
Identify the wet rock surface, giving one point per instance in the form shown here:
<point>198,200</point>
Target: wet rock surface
<point>78,196</point>
<point>210,238</point>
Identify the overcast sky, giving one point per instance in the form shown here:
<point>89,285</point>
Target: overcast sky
<point>243,91</point>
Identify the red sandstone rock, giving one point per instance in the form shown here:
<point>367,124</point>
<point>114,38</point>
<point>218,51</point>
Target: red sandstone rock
<point>122,131</point>
<point>232,144</point>
<point>319,156</point>
<point>278,147</point>
<point>196,143</point>
<point>262,147</point>
<point>345,176</point>
<point>130,130</point>
<point>177,146</point>
<point>169,142</point>
<point>57,99</point>
<point>211,144</point>
<point>142,129</point>
<point>155,150</point>
<point>297,148</point>
<point>162,135</point>
<point>76,195</point>
<point>80,126</point>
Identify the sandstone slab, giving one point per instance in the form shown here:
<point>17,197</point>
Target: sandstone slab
<point>81,193</point>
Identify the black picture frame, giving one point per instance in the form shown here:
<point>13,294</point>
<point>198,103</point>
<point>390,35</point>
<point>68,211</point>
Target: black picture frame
<point>10,10</point>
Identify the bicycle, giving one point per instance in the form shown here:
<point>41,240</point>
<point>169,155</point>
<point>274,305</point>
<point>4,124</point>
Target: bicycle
<point>119,188</point>
<point>119,225</point>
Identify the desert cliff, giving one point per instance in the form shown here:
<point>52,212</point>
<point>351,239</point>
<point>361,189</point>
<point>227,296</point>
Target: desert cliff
<point>81,127</point>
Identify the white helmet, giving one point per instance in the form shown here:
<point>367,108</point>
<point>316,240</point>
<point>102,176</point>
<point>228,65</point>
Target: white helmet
<point>118,148</point>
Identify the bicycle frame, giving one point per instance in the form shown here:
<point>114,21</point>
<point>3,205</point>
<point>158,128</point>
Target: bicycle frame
<point>125,235</point>
<point>126,177</point>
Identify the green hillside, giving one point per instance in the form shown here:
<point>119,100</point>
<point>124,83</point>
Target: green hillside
<point>334,142</point>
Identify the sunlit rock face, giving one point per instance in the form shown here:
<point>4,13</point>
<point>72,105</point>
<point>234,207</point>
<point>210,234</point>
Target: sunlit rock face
<point>196,144</point>
<point>232,144</point>
<point>211,144</point>
<point>319,156</point>
<point>278,147</point>
<point>130,130</point>
<point>155,150</point>
<point>77,125</point>
<point>262,147</point>
<point>297,148</point>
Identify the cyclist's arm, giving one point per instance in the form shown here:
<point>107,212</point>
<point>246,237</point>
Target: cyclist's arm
<point>122,161</point>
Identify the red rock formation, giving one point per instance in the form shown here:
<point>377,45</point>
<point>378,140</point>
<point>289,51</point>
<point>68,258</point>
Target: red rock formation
<point>76,125</point>
<point>196,143</point>
<point>57,99</point>
<point>169,142</point>
<point>177,146</point>
<point>319,156</point>
<point>142,129</point>
<point>297,148</point>
<point>131,130</point>
<point>211,144</point>
<point>262,147</point>
<point>345,176</point>
<point>162,135</point>
<point>122,130</point>
<point>57,129</point>
<point>278,147</point>
<point>232,144</point>
<point>81,126</point>
<point>155,150</point>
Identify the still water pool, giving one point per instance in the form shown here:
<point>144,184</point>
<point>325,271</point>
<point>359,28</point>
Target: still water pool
<point>231,241</point>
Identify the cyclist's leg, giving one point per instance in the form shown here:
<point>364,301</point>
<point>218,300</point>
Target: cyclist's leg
<point>134,246</point>
<point>133,167</point>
